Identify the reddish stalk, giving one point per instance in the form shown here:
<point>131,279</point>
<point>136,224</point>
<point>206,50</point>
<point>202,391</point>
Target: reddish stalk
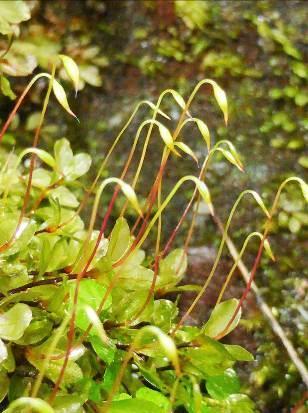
<point>26,199</point>
<point>14,111</point>
<point>259,254</point>
<point>248,286</point>
<point>151,197</point>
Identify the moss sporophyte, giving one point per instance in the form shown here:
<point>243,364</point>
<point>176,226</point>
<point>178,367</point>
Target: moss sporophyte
<point>88,322</point>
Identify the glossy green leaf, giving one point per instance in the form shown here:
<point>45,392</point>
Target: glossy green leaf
<point>91,294</point>
<point>119,240</point>
<point>238,352</point>
<point>68,403</point>
<point>63,154</point>
<point>167,344</point>
<point>39,328</point>
<point>105,352</point>
<point>164,313</point>
<point>73,373</point>
<point>220,317</point>
<point>134,405</point>
<point>144,393</point>
<point>111,373</point>
<point>14,322</point>
<point>64,196</point>
<point>172,269</point>
<point>127,305</point>
<point>38,405</point>
<point>70,165</point>
<point>220,387</point>
<point>23,235</point>
<point>210,359</point>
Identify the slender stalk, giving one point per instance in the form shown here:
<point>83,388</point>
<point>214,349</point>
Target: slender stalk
<point>259,253</point>
<point>235,265</point>
<point>213,270</point>
<point>18,103</point>
<point>26,199</point>
<point>57,337</point>
<point>276,327</point>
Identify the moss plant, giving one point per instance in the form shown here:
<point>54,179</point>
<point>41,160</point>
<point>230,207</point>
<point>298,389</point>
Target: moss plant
<point>86,324</point>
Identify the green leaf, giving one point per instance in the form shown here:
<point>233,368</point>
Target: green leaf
<point>106,352</point>
<point>32,403</point>
<point>73,373</point>
<point>111,373</point>
<point>72,167</point>
<point>6,87</point>
<point>39,328</point>
<point>70,403</point>
<point>56,258</point>
<point>238,352</point>
<point>172,269</point>
<point>220,317</point>
<point>14,322</point>
<point>91,294</point>
<point>41,178</point>
<point>81,165</point>
<point>9,363</point>
<point>64,196</point>
<point>166,137</point>
<point>33,121</point>
<point>4,385</point>
<point>134,406</point>
<point>164,313</point>
<point>144,393</point>
<point>167,344</point>
<point>220,387</point>
<point>240,403</point>
<point>23,235</point>
<point>229,156</point>
<point>119,240</point>
<point>63,154</point>
<point>127,305</point>
<point>210,359</point>
<point>132,275</point>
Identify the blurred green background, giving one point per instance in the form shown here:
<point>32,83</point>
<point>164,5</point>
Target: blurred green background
<point>131,50</point>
